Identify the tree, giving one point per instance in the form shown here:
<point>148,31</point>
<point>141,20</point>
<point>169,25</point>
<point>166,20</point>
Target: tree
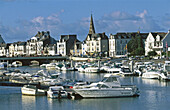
<point>152,53</point>
<point>135,46</point>
<point>139,51</point>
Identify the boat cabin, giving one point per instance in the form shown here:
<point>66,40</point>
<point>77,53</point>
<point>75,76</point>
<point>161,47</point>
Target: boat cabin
<point>111,80</point>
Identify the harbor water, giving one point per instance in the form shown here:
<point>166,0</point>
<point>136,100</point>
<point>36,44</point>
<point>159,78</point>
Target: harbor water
<point>154,95</point>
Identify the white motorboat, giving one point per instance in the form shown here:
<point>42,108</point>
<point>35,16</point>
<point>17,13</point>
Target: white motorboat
<point>109,87</point>
<point>32,90</point>
<point>43,65</point>
<point>2,65</point>
<point>125,71</point>
<point>151,74</point>
<point>92,70</point>
<point>114,70</point>
<point>57,92</point>
<point>51,66</point>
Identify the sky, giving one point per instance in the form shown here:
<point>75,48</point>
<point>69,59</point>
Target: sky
<point>22,19</point>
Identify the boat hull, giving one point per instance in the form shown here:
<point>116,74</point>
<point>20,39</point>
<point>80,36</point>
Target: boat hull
<point>106,93</point>
<point>54,95</point>
<point>33,92</point>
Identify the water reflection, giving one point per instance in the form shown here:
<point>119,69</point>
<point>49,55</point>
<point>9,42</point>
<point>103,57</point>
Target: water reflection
<point>28,101</point>
<point>154,82</point>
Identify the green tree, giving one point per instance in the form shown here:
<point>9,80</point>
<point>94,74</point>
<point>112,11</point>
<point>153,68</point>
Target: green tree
<point>152,53</point>
<point>135,46</point>
<point>139,51</point>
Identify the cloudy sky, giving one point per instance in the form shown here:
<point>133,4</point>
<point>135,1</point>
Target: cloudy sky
<point>21,19</point>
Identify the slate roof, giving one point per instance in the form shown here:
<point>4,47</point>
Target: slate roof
<point>97,35</point>
<point>128,35</point>
<point>161,34</point>
<point>1,39</point>
<point>91,29</point>
<point>78,43</point>
<point>66,37</point>
<point>6,46</point>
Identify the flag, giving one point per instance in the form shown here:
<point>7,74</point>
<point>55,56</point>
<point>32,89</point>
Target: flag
<point>125,48</point>
<point>166,45</point>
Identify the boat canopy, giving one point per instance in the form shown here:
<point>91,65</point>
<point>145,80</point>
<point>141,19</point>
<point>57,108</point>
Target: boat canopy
<point>56,88</point>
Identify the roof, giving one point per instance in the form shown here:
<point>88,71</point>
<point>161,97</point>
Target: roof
<point>66,37</point>
<point>161,34</point>
<point>19,43</point>
<point>97,35</point>
<point>78,44</point>
<point>1,39</point>
<point>5,45</point>
<point>91,29</point>
<point>129,35</point>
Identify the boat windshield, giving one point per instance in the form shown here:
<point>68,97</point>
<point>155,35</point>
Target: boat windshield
<point>30,86</point>
<point>126,70</point>
<point>109,79</point>
<point>102,86</point>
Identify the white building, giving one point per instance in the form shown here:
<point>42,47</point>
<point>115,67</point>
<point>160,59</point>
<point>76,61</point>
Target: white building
<point>95,43</point>
<point>4,50</point>
<point>19,48</point>
<point>50,49</point>
<point>118,43</point>
<point>65,44</point>
<point>154,42</point>
<point>11,50</point>
<point>35,46</point>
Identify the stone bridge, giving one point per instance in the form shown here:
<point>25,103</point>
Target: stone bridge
<point>27,60</point>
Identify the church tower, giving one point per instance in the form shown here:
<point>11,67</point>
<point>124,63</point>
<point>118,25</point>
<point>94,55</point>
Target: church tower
<point>91,30</point>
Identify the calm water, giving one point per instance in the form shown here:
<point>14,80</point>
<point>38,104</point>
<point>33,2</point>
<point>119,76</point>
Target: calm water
<point>154,95</point>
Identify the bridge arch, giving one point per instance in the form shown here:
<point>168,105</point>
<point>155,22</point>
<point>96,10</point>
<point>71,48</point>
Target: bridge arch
<point>16,63</point>
<point>34,63</point>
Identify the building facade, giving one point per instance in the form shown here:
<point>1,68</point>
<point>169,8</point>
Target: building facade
<point>35,46</point>
<point>154,42</point>
<point>118,43</point>
<point>4,50</point>
<point>76,50</point>
<point>95,43</point>
<point>65,44</point>
<point>19,49</point>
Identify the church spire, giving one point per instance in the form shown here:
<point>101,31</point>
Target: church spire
<point>91,30</point>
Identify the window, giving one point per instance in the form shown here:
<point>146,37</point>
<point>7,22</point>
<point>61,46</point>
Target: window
<point>109,79</point>
<point>104,86</point>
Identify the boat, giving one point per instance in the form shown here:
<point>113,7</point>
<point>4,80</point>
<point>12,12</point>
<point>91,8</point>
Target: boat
<point>114,70</point>
<point>2,65</point>
<point>43,65</point>
<point>57,92</point>
<point>151,74</point>
<point>125,71</point>
<point>92,69</point>
<point>32,90</point>
<point>51,66</point>
<point>110,86</point>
